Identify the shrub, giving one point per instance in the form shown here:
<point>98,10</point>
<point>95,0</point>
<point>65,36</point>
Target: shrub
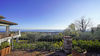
<point>44,46</point>
<point>58,45</point>
<point>78,49</point>
<point>23,46</point>
<point>88,45</point>
<point>4,45</point>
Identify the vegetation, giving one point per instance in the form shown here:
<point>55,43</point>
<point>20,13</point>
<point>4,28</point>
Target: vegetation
<point>87,45</point>
<point>37,36</point>
<point>83,39</point>
<point>39,46</point>
<point>4,45</point>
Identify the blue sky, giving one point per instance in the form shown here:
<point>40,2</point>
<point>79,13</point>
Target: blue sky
<point>49,14</point>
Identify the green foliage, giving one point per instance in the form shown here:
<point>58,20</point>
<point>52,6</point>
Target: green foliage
<point>44,46</point>
<point>69,55</point>
<point>38,36</point>
<point>78,49</point>
<point>4,45</point>
<point>58,45</point>
<point>68,32</point>
<point>39,45</point>
<point>72,27</point>
<point>49,45</point>
<point>23,46</point>
<point>87,45</point>
<point>84,36</point>
<point>96,35</point>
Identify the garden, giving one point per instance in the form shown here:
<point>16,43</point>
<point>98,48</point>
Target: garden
<point>31,42</point>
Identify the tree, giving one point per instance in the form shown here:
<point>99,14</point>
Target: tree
<point>82,24</point>
<point>71,31</point>
<point>72,27</point>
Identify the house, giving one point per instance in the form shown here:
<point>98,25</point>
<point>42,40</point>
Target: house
<point>8,36</point>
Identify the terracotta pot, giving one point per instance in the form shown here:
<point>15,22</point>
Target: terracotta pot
<point>9,50</point>
<point>3,51</point>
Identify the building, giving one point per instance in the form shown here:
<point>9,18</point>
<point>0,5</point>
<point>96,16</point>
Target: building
<point>8,36</point>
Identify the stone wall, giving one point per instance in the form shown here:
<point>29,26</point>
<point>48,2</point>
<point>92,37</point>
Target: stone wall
<point>67,44</point>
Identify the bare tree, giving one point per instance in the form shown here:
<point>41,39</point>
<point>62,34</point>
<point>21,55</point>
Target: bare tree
<point>82,24</point>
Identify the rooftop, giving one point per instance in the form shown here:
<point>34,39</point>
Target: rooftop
<point>7,22</point>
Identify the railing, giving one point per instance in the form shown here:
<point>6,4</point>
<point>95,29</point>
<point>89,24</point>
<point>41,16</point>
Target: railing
<point>12,33</point>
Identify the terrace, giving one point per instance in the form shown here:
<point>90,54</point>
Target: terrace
<point>8,36</point>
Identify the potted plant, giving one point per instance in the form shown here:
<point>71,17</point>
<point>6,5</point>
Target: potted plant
<point>5,48</point>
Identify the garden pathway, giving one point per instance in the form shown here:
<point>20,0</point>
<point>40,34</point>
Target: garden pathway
<point>35,53</point>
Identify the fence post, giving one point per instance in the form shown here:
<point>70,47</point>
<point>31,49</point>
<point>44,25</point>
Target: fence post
<point>12,43</point>
<point>9,40</point>
<point>67,44</point>
<point>17,39</point>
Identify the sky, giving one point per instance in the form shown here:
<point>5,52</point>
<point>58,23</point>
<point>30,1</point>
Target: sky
<point>49,14</point>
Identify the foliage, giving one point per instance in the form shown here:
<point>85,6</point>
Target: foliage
<point>72,27</point>
<point>4,45</point>
<point>69,55</point>
<point>68,32</point>
<point>96,35</point>
<point>84,36</point>
<point>58,45</point>
<point>23,46</point>
<point>49,45</point>
<point>78,49</point>
<point>38,36</point>
<point>87,45</point>
<point>44,46</point>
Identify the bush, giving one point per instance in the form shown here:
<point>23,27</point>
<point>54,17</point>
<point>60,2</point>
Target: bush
<point>96,35</point>
<point>4,45</point>
<point>44,46</point>
<point>58,45</point>
<point>87,45</point>
<point>23,46</point>
<point>78,49</point>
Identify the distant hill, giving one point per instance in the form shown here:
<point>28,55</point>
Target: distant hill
<point>41,30</point>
